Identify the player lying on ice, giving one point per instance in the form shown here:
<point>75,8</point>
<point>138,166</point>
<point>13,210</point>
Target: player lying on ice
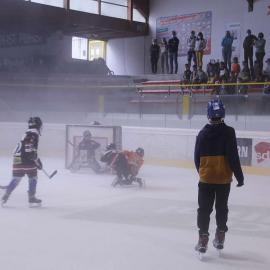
<point>125,163</point>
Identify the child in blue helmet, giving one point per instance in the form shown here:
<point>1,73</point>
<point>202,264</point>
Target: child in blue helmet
<point>216,160</point>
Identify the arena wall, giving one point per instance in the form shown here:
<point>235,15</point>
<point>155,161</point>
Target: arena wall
<point>163,146</point>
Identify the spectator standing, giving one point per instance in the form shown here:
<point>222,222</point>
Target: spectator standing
<point>164,56</point>
<point>173,52</point>
<point>216,159</point>
<point>200,45</point>
<point>191,48</point>
<point>260,50</point>
<point>154,55</point>
<point>226,44</point>
<point>248,50</point>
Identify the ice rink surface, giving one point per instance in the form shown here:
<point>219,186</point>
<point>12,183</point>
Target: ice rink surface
<point>85,224</point>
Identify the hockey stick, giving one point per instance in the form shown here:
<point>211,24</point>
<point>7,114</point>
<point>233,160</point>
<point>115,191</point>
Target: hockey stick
<point>3,187</point>
<point>50,176</point>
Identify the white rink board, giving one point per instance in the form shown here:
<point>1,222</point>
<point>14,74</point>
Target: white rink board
<point>158,143</point>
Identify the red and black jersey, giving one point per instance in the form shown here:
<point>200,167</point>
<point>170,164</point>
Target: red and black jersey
<point>25,154</point>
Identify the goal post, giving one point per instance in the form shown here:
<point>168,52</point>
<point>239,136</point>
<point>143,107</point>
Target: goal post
<point>102,135</point>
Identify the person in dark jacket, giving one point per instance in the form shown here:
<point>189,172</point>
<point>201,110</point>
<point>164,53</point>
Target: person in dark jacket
<point>154,55</point>
<point>226,44</point>
<point>173,45</point>
<point>216,160</point>
<point>248,44</point>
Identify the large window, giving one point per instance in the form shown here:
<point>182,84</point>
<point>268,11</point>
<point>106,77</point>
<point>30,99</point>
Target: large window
<point>114,8</point>
<point>97,49</point>
<point>56,3</point>
<point>79,48</point>
<point>90,6</point>
<point>137,16</point>
<point>85,49</point>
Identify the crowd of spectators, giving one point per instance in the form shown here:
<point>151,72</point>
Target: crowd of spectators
<point>226,71</point>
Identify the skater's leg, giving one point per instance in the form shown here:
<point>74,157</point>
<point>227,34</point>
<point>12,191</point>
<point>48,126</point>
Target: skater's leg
<point>206,197</point>
<point>221,205</point>
<point>12,185</point>
<point>32,181</point>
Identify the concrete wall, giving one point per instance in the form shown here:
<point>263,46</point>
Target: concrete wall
<point>224,12</point>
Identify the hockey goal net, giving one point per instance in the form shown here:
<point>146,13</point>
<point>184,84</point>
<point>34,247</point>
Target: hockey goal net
<point>82,151</point>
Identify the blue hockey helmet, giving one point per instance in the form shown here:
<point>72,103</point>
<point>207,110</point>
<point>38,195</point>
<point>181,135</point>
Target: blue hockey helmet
<point>215,109</point>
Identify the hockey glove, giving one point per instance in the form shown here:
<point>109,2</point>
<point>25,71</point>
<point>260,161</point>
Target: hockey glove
<point>39,164</point>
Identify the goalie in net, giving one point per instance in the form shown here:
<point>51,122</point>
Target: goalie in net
<point>125,163</point>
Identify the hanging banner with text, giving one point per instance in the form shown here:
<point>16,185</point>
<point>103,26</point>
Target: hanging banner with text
<point>183,25</point>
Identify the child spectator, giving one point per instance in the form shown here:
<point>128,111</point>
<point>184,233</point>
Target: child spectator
<point>223,73</point>
<point>187,74</point>
<point>202,76</point>
<point>195,77</point>
<point>235,67</point>
<point>211,70</point>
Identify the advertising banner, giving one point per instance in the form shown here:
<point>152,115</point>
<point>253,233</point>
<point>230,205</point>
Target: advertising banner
<point>244,147</point>
<point>261,153</point>
<point>183,25</point>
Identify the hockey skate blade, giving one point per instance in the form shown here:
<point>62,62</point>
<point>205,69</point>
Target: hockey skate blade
<point>35,205</point>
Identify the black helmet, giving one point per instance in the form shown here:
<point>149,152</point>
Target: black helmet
<point>140,151</point>
<point>35,122</point>
<point>111,146</point>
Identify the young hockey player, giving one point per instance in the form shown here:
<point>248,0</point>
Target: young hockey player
<point>216,159</point>
<point>86,153</point>
<point>126,164</point>
<point>26,161</point>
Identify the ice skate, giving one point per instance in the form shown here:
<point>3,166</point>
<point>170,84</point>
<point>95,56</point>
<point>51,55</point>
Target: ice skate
<point>218,242</point>
<point>201,247</point>
<point>4,200</point>
<point>140,182</point>
<point>34,202</point>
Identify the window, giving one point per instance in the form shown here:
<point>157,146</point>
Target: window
<point>114,8</point>
<point>56,3</point>
<point>90,6</point>
<point>97,49</point>
<point>137,16</point>
<point>79,48</point>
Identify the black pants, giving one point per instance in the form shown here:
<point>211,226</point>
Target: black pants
<point>191,56</point>
<point>227,55</point>
<point>154,62</point>
<point>259,58</point>
<point>208,195</point>
<point>248,58</point>
<point>173,59</point>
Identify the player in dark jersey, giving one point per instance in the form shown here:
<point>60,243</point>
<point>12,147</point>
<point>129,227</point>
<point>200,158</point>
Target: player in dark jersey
<point>26,161</point>
<point>86,154</point>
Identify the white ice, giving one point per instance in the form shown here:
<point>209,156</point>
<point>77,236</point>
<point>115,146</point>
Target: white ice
<point>85,224</point>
